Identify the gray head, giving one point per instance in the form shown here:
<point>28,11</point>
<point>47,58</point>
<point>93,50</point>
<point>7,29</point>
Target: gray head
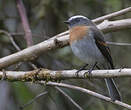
<point>78,20</point>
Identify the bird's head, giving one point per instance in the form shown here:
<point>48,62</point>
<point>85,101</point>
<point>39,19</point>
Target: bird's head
<point>78,20</point>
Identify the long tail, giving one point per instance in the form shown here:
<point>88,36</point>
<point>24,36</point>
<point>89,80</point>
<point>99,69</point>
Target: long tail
<point>113,90</point>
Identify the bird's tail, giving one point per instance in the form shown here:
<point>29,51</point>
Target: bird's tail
<point>113,90</point>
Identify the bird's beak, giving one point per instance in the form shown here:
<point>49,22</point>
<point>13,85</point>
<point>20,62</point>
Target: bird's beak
<point>66,22</point>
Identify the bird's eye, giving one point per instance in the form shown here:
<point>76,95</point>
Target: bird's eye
<point>74,21</point>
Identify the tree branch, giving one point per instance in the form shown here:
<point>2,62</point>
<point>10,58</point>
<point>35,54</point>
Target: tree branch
<point>97,95</point>
<point>32,100</point>
<point>51,75</point>
<point>57,41</point>
<point>109,16</point>
<point>69,98</point>
<point>16,46</point>
<point>110,26</point>
<point>22,12</point>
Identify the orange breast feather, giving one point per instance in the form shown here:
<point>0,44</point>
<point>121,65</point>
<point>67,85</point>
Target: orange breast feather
<point>78,32</point>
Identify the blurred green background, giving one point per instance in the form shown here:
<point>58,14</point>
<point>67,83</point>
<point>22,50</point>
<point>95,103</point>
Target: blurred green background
<point>46,20</point>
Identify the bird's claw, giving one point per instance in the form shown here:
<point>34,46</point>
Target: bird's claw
<point>88,74</point>
<point>77,73</point>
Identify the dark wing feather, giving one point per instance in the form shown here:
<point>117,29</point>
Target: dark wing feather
<point>101,44</point>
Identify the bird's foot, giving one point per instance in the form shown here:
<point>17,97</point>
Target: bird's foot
<point>122,68</point>
<point>82,68</point>
<point>89,72</point>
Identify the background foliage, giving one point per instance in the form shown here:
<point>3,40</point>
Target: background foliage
<point>46,19</point>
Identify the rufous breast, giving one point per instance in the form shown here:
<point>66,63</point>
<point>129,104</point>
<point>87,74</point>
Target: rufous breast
<point>78,32</point>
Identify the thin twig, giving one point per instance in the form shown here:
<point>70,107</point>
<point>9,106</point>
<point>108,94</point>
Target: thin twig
<point>119,44</point>
<point>68,97</point>
<point>118,13</point>
<point>97,95</point>
<point>32,100</point>
<point>11,39</point>
<point>24,19</point>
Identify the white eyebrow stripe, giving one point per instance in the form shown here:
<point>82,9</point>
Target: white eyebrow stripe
<point>77,16</point>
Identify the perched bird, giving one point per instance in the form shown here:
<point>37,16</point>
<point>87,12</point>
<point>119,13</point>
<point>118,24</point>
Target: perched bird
<point>87,43</point>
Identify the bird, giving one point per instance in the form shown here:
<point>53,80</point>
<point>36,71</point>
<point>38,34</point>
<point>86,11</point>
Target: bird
<point>88,44</point>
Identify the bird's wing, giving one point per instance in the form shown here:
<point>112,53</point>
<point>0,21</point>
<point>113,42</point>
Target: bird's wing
<point>101,44</point>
